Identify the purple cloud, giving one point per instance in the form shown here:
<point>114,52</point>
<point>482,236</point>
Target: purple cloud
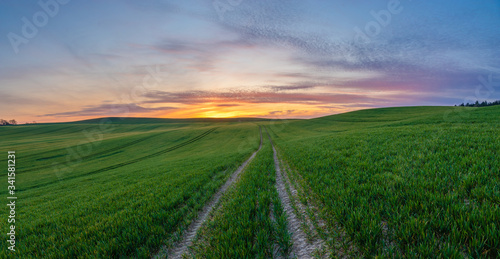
<point>108,110</point>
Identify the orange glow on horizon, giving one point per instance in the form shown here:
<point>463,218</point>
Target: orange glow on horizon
<point>221,110</point>
<point>264,110</point>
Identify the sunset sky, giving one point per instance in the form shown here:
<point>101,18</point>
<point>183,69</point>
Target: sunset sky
<point>71,59</point>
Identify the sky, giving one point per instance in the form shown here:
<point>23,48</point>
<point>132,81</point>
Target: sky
<point>67,60</point>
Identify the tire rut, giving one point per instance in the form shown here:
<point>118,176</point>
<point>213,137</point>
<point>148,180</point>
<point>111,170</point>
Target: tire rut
<point>187,238</point>
<point>302,247</point>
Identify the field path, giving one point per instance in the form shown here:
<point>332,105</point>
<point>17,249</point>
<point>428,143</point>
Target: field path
<point>302,248</point>
<point>190,233</point>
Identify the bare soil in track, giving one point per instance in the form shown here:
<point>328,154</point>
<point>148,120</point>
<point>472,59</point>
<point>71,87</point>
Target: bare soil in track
<point>187,239</point>
<point>302,247</point>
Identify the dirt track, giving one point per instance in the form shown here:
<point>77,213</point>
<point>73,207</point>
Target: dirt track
<point>187,239</point>
<point>302,247</point>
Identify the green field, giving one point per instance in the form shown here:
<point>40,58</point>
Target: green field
<point>130,193</point>
<point>249,220</point>
<point>393,182</point>
<point>414,182</point>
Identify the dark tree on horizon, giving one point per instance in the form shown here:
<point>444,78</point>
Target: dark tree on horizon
<point>480,104</point>
<point>6,123</point>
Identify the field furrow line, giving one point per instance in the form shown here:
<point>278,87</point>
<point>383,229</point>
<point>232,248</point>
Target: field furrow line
<point>49,130</point>
<point>187,238</point>
<point>92,155</point>
<point>303,247</point>
<point>161,152</point>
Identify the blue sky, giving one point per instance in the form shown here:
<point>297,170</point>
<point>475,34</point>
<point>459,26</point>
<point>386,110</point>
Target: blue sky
<point>285,59</point>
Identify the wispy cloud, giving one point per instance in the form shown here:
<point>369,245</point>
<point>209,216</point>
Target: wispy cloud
<point>227,105</point>
<point>285,113</point>
<point>107,109</point>
<point>291,87</point>
<point>299,54</point>
<point>251,96</point>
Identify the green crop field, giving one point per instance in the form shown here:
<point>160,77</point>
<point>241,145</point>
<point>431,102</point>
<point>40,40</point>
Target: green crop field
<point>250,218</point>
<point>123,191</point>
<point>412,182</point>
<point>393,182</point>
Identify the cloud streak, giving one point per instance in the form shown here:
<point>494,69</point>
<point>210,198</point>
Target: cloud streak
<point>109,110</point>
<point>251,96</point>
<point>298,54</point>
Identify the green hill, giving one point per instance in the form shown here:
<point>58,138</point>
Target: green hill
<point>405,181</point>
<point>389,182</point>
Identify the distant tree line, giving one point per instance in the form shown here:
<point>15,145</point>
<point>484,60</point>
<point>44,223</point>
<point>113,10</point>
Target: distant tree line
<point>5,122</point>
<point>480,104</point>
